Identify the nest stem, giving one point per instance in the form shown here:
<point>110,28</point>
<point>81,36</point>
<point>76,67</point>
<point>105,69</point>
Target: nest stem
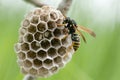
<point>64,6</point>
<point>37,3</point>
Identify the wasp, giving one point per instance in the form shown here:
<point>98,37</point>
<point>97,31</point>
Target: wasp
<point>75,32</point>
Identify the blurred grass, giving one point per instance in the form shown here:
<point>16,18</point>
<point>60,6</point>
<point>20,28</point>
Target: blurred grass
<point>99,59</point>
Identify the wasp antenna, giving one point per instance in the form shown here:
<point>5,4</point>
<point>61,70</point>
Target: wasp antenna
<point>59,25</point>
<point>87,30</point>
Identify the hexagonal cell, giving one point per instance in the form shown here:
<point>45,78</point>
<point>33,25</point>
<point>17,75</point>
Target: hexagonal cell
<point>65,31</point>
<point>31,54</point>
<point>44,17</point>
<point>22,31</point>
<point>48,34</point>
<point>65,40</point>
<point>48,62</point>
<point>51,25</point>
<point>26,23</point>
<point>33,71</point>
<point>61,64</point>
<point>62,51</point>
<point>21,40</point>
<point>43,71</point>
<point>41,54</point>
<point>54,69</point>
<point>17,47</point>
<point>21,55</point>
<point>67,57</point>
<point>35,45</point>
<point>38,36</point>
<point>32,28</point>
<point>70,49</point>
<point>37,63</point>
<point>59,21</point>
<point>57,32</point>
<point>25,46</point>
<point>20,62</point>
<point>45,44</point>
<point>23,71</point>
<point>52,52</point>
<point>58,60</point>
<point>53,15</point>
<point>35,19</point>
<point>41,27</point>
<point>28,37</point>
<point>27,63</point>
<point>37,12</point>
<point>55,42</point>
<point>29,15</point>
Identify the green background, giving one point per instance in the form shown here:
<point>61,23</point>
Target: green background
<point>99,59</point>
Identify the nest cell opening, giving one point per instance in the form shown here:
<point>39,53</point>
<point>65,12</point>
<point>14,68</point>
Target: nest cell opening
<point>21,55</point>
<point>25,46</point>
<point>22,31</point>
<point>55,42</point>
<point>35,19</point>
<point>35,45</point>
<point>23,71</point>
<point>53,15</point>
<point>41,54</point>
<point>31,54</point>
<point>62,51</point>
<point>41,27</point>
<point>38,36</point>
<point>44,17</point>
<point>58,60</point>
<point>54,69</point>
<point>43,71</point>
<point>32,28</point>
<point>28,37</point>
<point>65,31</point>
<point>59,21</point>
<point>48,34</point>
<point>48,62</point>
<point>26,23</point>
<point>37,63</point>
<point>45,44</point>
<point>17,47</point>
<point>33,71</point>
<point>27,63</point>
<point>21,39</point>
<point>66,58</point>
<point>65,41</point>
<point>37,11</point>
<point>57,32</point>
<point>51,25</point>
<point>52,52</point>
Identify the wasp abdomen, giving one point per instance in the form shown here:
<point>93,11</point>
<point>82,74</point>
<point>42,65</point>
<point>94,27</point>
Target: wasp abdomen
<point>75,41</point>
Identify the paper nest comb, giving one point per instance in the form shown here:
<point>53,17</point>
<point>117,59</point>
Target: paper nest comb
<point>43,47</point>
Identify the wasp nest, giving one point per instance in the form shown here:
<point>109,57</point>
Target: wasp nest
<point>43,47</point>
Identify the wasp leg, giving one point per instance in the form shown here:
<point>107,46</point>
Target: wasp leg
<point>59,25</point>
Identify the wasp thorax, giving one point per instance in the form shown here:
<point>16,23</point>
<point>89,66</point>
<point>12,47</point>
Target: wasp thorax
<point>43,47</point>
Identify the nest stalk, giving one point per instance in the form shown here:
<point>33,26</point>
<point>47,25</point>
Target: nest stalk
<point>63,6</point>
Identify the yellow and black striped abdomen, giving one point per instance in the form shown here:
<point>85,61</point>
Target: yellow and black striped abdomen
<point>75,41</point>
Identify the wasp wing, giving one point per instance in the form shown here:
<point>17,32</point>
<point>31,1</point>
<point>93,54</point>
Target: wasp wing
<point>81,28</point>
<point>80,33</point>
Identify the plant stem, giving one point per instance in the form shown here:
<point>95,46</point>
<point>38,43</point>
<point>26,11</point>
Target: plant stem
<point>37,3</point>
<point>64,6</point>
